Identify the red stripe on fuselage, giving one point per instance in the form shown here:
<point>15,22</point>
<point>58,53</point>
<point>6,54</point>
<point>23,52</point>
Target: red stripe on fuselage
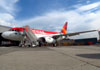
<point>18,29</point>
<point>43,32</point>
<point>36,31</point>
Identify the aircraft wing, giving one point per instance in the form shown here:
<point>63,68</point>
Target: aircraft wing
<point>73,34</point>
<point>77,33</point>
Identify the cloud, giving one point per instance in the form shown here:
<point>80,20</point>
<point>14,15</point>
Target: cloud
<point>96,24</point>
<point>6,16</point>
<point>89,6</point>
<point>7,12</point>
<point>8,5</point>
<point>6,19</point>
<point>49,21</point>
<point>78,19</point>
<point>3,22</point>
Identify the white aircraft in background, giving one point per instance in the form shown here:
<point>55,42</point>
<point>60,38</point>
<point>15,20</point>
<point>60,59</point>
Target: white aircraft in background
<point>40,36</point>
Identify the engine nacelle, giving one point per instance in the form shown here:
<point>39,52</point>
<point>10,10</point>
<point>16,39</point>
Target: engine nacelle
<point>49,40</point>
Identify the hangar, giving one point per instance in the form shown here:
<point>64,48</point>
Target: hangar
<point>4,28</point>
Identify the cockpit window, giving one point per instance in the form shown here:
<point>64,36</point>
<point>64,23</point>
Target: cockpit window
<point>12,30</point>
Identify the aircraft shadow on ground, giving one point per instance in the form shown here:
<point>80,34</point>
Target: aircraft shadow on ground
<point>91,56</point>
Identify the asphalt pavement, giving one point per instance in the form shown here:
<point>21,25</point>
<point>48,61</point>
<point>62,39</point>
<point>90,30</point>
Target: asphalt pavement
<point>50,58</point>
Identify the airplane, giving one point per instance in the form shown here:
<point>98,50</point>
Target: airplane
<point>41,36</point>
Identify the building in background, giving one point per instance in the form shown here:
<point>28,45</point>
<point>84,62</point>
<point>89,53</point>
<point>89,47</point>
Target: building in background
<point>99,35</point>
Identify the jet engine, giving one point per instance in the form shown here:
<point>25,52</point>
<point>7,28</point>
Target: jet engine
<point>49,40</point>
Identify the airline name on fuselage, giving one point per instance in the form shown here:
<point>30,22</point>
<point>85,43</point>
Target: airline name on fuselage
<point>39,32</point>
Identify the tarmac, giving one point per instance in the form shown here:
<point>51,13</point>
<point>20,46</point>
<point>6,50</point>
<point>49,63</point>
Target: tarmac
<point>50,58</point>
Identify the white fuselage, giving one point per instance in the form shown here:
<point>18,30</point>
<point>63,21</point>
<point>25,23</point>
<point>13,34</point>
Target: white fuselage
<point>18,36</point>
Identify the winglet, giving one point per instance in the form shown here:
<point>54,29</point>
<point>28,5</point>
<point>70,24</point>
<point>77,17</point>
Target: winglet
<point>64,29</point>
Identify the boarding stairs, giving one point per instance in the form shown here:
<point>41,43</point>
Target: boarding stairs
<point>29,38</point>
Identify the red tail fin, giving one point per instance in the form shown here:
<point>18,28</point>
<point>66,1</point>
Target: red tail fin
<point>64,29</point>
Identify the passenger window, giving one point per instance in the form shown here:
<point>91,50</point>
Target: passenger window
<point>12,30</point>
<point>15,30</point>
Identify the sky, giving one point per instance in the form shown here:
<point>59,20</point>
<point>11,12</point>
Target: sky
<point>51,15</point>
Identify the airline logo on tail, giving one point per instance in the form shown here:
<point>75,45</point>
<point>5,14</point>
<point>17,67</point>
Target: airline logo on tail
<point>64,29</point>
